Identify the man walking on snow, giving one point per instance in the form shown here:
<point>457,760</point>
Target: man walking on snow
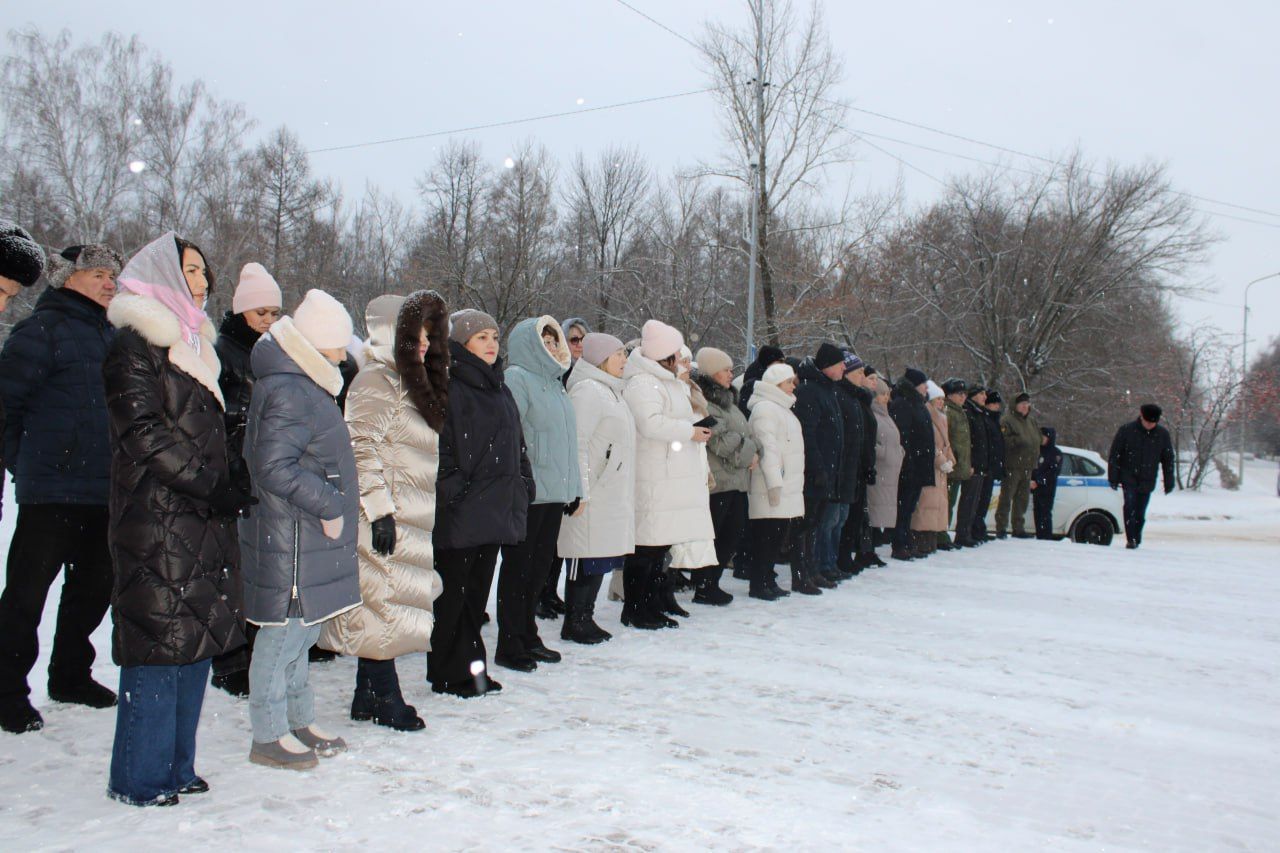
<point>1140,450</point>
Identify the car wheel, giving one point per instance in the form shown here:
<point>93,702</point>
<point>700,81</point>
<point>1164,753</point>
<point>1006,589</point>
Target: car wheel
<point>1093,528</point>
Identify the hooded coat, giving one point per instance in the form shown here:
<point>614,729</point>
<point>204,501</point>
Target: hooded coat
<point>780,437</point>
<point>882,496</point>
<point>961,442</point>
<point>55,436</point>
<point>235,343</point>
<point>606,437</point>
<point>298,452</point>
<point>485,484</point>
<point>979,441</point>
<point>732,446</point>
<point>932,512</point>
<point>673,504</point>
<point>395,407</point>
<point>176,597</point>
<point>546,415</point>
<point>911,414</point>
<point>819,414</point>
<point>1021,440</point>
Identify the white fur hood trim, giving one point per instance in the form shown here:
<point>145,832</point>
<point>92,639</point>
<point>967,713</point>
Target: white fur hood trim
<point>158,327</point>
<point>321,371</point>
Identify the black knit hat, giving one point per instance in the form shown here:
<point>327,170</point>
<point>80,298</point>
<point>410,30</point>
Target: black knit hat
<point>915,376</point>
<point>993,396</point>
<point>954,386</point>
<point>769,354</point>
<point>828,355</point>
<point>869,370</point>
<point>975,388</point>
<point>1024,397</point>
<point>1151,412</point>
<point>21,257</point>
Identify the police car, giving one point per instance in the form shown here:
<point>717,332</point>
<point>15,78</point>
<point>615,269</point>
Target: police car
<point>1085,508</point>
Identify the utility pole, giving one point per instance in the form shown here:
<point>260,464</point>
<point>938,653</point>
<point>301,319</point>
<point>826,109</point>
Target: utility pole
<point>756,168</point>
<point>1244,373</point>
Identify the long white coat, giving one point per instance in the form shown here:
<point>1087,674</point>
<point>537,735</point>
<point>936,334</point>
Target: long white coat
<point>606,464</point>
<point>778,434</point>
<point>673,503</point>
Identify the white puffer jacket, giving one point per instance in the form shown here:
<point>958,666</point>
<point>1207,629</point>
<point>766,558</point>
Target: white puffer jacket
<point>607,465</point>
<point>781,441</point>
<point>673,504</point>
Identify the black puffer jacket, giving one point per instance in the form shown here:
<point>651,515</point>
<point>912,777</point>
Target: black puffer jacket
<point>819,414</point>
<point>995,446</point>
<point>235,342</point>
<point>55,435</point>
<point>854,448</point>
<point>484,485</point>
<point>979,440</point>
<point>1138,455</point>
<point>177,597</point>
<point>303,469</point>
<point>911,415</point>
<point>865,399</point>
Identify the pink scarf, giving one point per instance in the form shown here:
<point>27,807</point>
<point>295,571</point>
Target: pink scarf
<point>190,318</point>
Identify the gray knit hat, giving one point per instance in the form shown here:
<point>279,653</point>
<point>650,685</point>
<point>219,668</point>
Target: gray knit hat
<point>468,322</point>
<point>21,258</point>
<point>91,256</point>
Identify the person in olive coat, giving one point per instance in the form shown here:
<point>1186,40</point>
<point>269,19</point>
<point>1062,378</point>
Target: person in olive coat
<point>1022,449</point>
<point>960,436</point>
<point>255,305</point>
<point>483,491</point>
<point>907,408</point>
<point>1141,450</point>
<point>172,531</point>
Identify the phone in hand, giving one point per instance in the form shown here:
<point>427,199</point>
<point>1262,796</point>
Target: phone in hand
<point>706,423</point>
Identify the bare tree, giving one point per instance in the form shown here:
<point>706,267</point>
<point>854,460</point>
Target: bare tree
<point>789,127</point>
<point>447,248</point>
<point>1205,396</point>
<point>285,204</point>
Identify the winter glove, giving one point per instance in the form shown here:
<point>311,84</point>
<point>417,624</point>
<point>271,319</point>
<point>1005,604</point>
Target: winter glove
<point>332,527</point>
<point>384,535</point>
<point>229,501</point>
<point>571,509</point>
<point>775,496</point>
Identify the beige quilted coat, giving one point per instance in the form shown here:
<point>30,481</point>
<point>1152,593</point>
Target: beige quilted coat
<point>931,513</point>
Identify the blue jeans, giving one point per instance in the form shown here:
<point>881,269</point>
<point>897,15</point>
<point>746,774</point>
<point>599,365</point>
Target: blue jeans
<point>280,697</point>
<point>155,747</point>
<point>830,526</point>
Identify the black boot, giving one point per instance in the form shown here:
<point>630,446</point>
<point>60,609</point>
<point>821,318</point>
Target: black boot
<point>655,587</point>
<point>801,584</point>
<point>709,591</point>
<point>17,716</point>
<point>378,698</point>
<point>665,592</point>
<point>318,655</point>
<point>82,691</point>
<point>550,605</point>
<point>635,608</point>
<point>580,604</point>
<point>235,683</point>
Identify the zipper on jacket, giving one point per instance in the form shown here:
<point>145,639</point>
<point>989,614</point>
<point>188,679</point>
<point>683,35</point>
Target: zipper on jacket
<point>295,561</point>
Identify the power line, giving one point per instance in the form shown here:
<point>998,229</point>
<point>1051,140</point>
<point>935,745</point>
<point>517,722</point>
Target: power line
<point>991,145</point>
<point>513,121</point>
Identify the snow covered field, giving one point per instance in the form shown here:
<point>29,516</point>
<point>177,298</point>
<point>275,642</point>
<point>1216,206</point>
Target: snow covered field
<point>1025,696</point>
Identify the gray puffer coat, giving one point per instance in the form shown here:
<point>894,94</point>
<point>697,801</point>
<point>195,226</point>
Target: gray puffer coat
<point>732,446</point>
<point>303,469</point>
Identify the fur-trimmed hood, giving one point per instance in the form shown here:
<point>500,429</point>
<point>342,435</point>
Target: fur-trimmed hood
<point>159,327</point>
<point>426,382</point>
<point>283,349</point>
<point>525,348</point>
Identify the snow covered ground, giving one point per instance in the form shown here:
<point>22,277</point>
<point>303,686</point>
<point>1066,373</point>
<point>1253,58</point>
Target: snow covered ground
<point>1026,696</point>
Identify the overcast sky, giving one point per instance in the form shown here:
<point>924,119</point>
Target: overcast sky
<point>1192,85</point>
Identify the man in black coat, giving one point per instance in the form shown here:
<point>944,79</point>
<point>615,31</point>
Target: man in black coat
<point>852,455</point>
<point>910,415</point>
<point>57,445</point>
<point>1044,482</point>
<point>856,551</point>
<point>818,410</point>
<point>969,509</point>
<point>995,462</point>
<point>1141,450</point>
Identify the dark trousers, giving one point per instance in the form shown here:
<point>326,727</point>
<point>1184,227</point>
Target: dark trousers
<point>154,753</point>
<point>855,538</point>
<point>524,572</point>
<point>766,538</point>
<point>908,499</point>
<point>806,532</point>
<point>48,537</point>
<point>983,507</point>
<point>467,574</point>
<point>1042,505</point>
<point>729,518</point>
<point>971,491</point>
<point>1135,513</point>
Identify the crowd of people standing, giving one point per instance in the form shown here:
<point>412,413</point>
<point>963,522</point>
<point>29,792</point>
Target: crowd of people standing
<point>243,498</point>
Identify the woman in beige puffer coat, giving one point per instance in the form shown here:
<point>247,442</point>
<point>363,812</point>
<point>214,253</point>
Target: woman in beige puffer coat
<point>395,410</point>
<point>931,516</point>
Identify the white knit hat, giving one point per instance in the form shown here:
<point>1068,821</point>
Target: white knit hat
<point>257,289</point>
<point>778,373</point>
<point>935,391</point>
<point>323,321</point>
<point>659,341</point>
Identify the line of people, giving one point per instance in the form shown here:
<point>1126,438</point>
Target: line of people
<point>241,497</point>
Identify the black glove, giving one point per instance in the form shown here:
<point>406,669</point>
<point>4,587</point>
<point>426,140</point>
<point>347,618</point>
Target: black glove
<point>570,509</point>
<point>871,477</point>
<point>229,501</point>
<point>1115,487</point>
<point>384,536</point>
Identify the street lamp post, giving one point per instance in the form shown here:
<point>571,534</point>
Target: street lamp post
<point>1244,371</point>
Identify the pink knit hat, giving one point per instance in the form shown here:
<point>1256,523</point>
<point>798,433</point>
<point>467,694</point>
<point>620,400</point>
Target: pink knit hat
<point>659,341</point>
<point>257,289</point>
<point>323,321</point>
